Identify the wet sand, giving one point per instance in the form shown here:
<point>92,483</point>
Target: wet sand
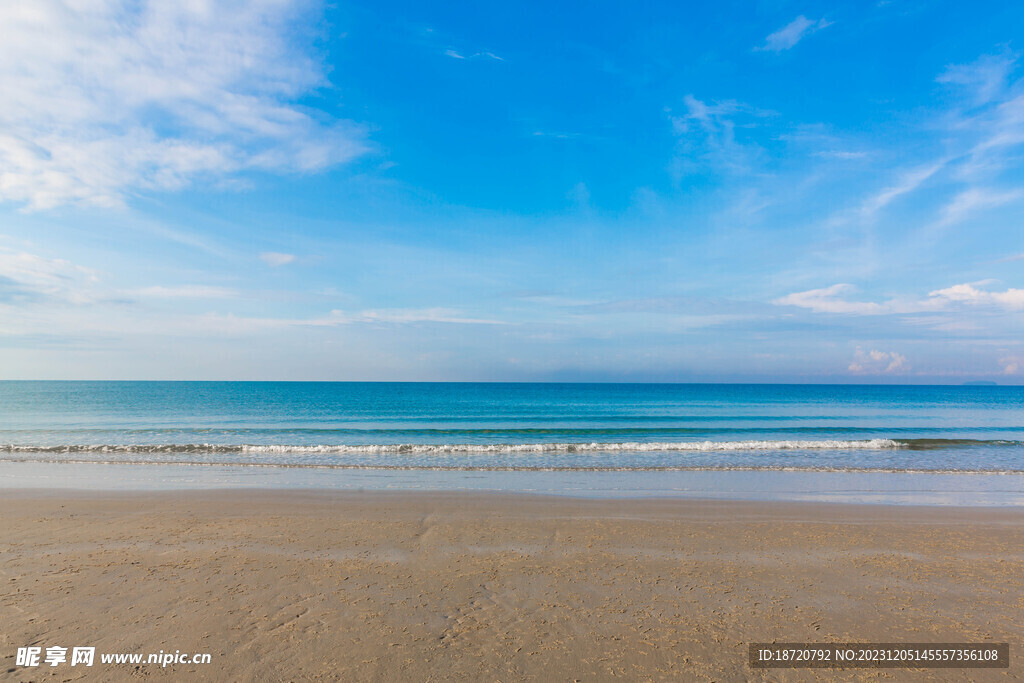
<point>293,585</point>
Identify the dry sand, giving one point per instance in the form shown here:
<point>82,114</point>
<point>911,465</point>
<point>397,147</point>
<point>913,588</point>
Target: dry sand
<point>408,587</point>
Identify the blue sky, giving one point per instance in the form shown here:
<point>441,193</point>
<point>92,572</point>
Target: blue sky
<point>770,191</point>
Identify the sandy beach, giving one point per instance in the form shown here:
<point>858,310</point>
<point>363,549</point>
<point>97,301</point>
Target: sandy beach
<point>292,585</point>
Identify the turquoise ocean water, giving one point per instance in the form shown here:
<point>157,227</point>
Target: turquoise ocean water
<point>517,427</point>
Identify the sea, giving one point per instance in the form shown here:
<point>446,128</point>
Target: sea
<point>652,439</point>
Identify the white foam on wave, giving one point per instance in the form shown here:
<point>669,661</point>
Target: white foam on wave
<point>428,449</point>
<point>594,447</point>
<point>513,468</point>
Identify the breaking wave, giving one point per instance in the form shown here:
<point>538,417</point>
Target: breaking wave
<point>455,448</point>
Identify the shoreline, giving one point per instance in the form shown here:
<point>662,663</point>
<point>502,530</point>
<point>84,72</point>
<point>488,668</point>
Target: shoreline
<point>877,488</point>
<point>454,585</point>
<point>314,495</point>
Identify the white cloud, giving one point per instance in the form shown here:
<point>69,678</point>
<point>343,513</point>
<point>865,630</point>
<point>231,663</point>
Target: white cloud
<point>453,54</point>
<point>832,300</point>
<point>1011,365</point>
<point>274,258</point>
<point>877,362</point>
<point>827,300</point>
<point>965,203</point>
<point>792,33</point>
<point>969,294</point>
<point>110,97</point>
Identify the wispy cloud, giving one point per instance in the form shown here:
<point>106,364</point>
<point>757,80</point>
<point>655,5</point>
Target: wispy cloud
<point>706,134</point>
<point>984,80</point>
<point>834,300</point>
<point>40,295</point>
<point>981,130</point>
<point>907,182</point>
<point>112,97</point>
<point>275,258</point>
<point>991,118</point>
<point>558,135</point>
<point>186,292</point>
<point>792,33</point>
<point>30,277</point>
<point>31,280</point>
<point>396,316</point>
<point>971,200</point>
<point>231,324</point>
<point>842,154</point>
<point>455,54</point>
